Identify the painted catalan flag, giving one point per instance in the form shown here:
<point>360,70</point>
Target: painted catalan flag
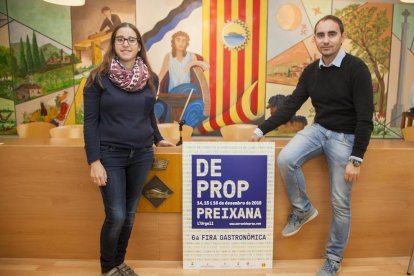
<point>234,43</point>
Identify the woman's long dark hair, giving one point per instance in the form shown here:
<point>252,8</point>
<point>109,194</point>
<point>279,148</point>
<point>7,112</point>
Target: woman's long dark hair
<point>103,68</point>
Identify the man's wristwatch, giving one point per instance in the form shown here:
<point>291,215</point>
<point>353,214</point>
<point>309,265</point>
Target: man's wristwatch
<point>355,162</point>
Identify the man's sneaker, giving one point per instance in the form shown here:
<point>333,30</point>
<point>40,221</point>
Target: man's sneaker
<point>330,268</point>
<point>113,272</point>
<point>296,222</point>
<point>126,270</point>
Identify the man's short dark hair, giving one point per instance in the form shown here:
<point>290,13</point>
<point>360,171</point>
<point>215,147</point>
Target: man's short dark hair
<point>333,18</point>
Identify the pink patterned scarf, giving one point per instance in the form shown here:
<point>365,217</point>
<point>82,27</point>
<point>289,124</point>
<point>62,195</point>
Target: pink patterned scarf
<point>130,81</point>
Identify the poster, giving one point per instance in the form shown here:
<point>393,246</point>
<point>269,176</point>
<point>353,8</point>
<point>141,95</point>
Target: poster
<point>228,202</point>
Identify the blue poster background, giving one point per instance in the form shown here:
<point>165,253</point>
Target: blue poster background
<point>234,199</point>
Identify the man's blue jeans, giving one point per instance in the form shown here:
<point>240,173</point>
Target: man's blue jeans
<point>127,171</point>
<point>337,147</point>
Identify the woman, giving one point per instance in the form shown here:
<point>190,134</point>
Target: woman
<point>120,130</point>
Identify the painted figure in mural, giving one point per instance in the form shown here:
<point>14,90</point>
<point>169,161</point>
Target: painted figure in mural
<point>295,123</point>
<point>340,88</point>
<point>111,20</point>
<point>177,76</point>
<point>120,129</point>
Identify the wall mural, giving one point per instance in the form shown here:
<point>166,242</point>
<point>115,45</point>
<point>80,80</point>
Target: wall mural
<point>7,110</point>
<point>42,76</point>
<point>227,76</point>
<point>219,62</point>
<point>40,60</point>
<point>174,47</point>
<point>369,32</point>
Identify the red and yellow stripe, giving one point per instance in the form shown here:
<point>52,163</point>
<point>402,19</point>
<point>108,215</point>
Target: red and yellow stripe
<point>236,77</point>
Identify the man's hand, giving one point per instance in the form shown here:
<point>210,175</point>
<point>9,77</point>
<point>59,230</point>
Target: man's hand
<point>351,172</point>
<point>254,138</point>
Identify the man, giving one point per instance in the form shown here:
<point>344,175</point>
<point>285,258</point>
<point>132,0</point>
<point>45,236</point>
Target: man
<point>110,21</point>
<point>340,88</point>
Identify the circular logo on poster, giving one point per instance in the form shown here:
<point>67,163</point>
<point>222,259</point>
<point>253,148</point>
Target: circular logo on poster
<point>235,35</point>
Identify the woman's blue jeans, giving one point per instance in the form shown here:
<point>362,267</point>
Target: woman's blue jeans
<point>337,147</point>
<point>127,171</point>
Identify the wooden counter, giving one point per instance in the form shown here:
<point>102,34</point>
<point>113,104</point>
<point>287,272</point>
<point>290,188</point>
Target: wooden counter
<point>50,209</point>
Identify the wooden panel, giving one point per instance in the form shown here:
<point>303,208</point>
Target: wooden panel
<point>48,206</point>
<point>50,209</point>
<point>171,177</point>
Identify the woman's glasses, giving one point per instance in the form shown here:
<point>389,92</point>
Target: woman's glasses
<point>121,40</point>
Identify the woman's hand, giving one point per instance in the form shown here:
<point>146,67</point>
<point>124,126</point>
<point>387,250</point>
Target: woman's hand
<point>165,143</point>
<point>98,173</point>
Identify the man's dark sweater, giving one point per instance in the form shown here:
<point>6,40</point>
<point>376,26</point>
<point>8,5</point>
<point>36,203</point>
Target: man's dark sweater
<point>114,117</point>
<point>342,97</point>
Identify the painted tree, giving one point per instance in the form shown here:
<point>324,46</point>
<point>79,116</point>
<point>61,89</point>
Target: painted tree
<point>5,63</point>
<point>14,65</point>
<point>29,56</point>
<point>367,28</point>
<point>36,54</point>
<point>22,59</point>
<point>42,60</point>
